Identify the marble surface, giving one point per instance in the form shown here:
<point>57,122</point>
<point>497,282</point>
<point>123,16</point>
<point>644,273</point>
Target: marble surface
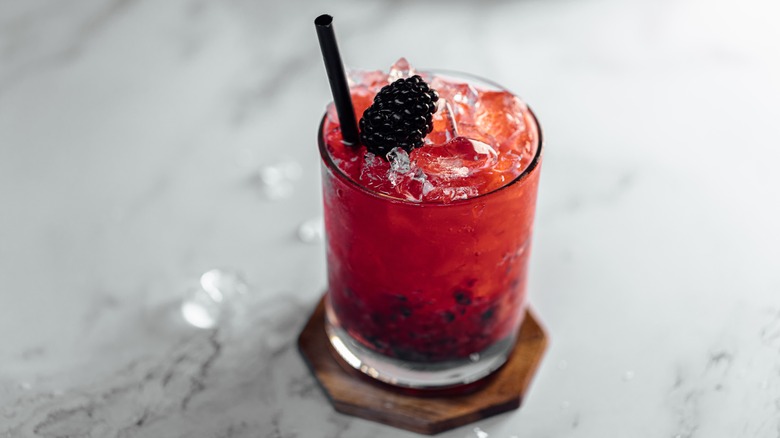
<point>135,145</point>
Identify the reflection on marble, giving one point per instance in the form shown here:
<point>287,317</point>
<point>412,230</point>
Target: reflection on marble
<point>136,139</point>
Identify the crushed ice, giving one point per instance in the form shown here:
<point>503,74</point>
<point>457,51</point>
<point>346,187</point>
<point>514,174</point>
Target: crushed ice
<point>459,146</point>
<point>399,165</point>
<point>400,69</point>
<point>365,79</point>
<point>399,160</point>
<point>370,162</point>
<point>409,180</point>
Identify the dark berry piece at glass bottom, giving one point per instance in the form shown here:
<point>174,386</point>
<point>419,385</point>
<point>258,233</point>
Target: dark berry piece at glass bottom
<point>399,117</point>
<point>376,342</point>
<point>462,297</point>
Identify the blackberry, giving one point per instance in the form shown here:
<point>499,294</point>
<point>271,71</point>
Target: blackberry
<point>401,116</point>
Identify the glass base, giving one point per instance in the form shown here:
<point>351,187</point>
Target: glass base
<point>416,375</point>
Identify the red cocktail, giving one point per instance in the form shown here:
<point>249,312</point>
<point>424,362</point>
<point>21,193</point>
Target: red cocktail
<point>428,250</point>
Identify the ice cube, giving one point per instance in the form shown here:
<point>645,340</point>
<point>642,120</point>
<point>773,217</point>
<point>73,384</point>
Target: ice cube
<point>445,127</point>
<point>370,163</point>
<point>521,142</point>
<point>458,193</point>
<point>479,150</point>
<point>458,158</point>
<point>363,86</point>
<point>461,96</point>
<point>366,78</point>
<point>399,165</point>
<point>449,194</point>
<point>427,187</point>
<point>400,69</point>
<point>472,131</point>
<point>458,169</point>
<point>399,160</point>
<point>499,114</point>
<point>373,173</point>
<point>414,185</point>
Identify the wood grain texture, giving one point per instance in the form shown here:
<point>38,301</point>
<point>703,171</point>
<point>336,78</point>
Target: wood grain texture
<point>428,412</point>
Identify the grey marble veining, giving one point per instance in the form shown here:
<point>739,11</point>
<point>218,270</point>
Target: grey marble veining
<point>131,138</point>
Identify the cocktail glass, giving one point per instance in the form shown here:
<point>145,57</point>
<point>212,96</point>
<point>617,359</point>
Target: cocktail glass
<point>427,295</point>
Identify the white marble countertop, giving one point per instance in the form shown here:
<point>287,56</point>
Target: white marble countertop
<point>131,137</point>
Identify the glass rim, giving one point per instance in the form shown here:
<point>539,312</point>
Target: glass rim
<point>330,164</point>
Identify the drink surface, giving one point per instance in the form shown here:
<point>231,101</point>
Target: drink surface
<point>483,138</point>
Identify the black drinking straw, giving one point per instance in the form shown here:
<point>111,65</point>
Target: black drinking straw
<point>337,78</point>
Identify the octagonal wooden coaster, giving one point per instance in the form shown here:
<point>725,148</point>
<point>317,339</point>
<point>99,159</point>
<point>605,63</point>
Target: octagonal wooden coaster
<point>428,412</point>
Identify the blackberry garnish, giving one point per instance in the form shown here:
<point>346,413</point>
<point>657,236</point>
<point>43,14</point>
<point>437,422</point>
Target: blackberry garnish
<point>401,116</point>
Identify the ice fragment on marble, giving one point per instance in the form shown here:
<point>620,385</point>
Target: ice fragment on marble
<point>277,181</point>
<point>200,310</point>
<point>204,305</point>
<point>312,231</point>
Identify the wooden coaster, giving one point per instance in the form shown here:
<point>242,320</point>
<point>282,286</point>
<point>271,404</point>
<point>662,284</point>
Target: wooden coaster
<point>427,412</point>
